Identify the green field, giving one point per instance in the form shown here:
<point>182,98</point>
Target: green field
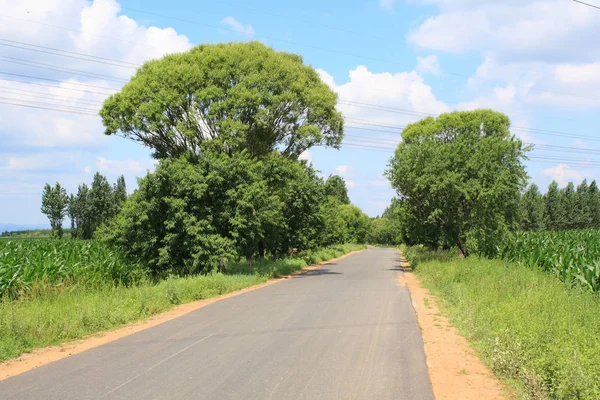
<point>39,265</point>
<point>573,256</point>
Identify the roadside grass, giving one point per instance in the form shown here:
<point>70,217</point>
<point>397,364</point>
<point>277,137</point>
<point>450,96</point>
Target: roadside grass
<point>61,315</point>
<point>418,254</point>
<point>535,333</point>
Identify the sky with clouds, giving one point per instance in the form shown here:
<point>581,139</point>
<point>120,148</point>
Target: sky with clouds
<point>392,62</point>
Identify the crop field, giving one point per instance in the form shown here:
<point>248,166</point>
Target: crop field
<point>29,265</point>
<point>574,256</point>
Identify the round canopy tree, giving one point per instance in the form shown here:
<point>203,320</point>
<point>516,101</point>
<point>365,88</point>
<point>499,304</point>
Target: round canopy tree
<point>235,95</point>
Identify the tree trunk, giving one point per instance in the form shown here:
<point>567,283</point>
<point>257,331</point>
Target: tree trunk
<point>462,250</point>
<point>249,261</point>
<point>261,251</point>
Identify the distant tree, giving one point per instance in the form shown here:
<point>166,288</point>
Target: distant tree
<point>593,195</point>
<point>235,96</point>
<point>101,201</point>
<point>553,207</point>
<point>568,207</point>
<point>336,187</point>
<point>54,205</point>
<point>532,208</point>
<point>357,223</point>
<point>80,212</point>
<point>582,217</point>
<point>120,193</point>
<point>459,177</point>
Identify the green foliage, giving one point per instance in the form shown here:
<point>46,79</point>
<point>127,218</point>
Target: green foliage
<point>236,96</point>
<point>356,222</point>
<point>54,205</point>
<point>418,254</point>
<point>527,326</point>
<point>532,209</point>
<point>459,178</point>
<point>336,188</point>
<point>30,266</point>
<point>384,231</point>
<point>573,256</point>
<point>554,212</point>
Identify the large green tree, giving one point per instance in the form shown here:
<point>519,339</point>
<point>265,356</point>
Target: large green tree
<point>236,95</point>
<point>54,205</point>
<point>460,176</point>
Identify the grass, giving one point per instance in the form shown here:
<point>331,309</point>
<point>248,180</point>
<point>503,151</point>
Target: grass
<point>53,317</point>
<point>534,332</point>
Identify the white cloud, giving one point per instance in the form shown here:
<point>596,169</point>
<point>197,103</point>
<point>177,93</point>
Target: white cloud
<point>305,155</point>
<point>351,184</point>
<point>563,174</point>
<point>118,167</point>
<point>387,4</point>
<point>343,170</point>
<point>234,24</point>
<point>517,30</point>
<point>380,183</point>
<point>87,169</point>
<point>429,65</point>
<point>403,90</point>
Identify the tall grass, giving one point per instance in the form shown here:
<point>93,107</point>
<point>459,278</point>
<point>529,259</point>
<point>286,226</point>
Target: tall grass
<point>573,256</point>
<point>30,265</point>
<point>529,328</point>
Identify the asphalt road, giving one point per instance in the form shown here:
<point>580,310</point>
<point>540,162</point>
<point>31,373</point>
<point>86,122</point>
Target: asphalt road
<point>344,331</point>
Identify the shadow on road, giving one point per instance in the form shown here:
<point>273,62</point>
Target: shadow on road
<point>320,271</point>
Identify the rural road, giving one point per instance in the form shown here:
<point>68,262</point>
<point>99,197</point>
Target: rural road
<point>344,331</point>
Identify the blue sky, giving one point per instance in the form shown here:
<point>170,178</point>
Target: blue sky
<point>391,61</point>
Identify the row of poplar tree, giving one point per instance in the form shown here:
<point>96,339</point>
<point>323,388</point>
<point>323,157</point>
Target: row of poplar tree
<point>87,209</point>
<point>559,209</point>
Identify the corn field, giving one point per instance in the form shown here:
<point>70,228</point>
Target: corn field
<point>574,256</point>
<point>27,265</point>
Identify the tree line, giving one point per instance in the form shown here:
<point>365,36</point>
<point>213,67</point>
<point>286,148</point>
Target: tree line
<point>561,209</point>
<point>87,209</point>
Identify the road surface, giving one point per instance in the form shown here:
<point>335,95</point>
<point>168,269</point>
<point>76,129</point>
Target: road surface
<point>344,331</point>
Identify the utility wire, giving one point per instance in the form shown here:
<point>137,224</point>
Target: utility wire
<point>59,81</point>
<point>57,68</point>
<point>48,108</point>
<point>587,4</point>
<point>68,54</point>
<point>53,86</point>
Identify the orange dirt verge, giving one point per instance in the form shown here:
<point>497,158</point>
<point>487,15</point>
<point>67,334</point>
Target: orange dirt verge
<point>46,355</point>
<point>454,368</point>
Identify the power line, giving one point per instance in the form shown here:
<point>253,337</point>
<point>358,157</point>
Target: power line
<point>51,67</point>
<point>46,95</point>
<point>69,108</point>
<point>68,54</point>
<point>48,108</point>
<point>54,86</point>
<point>59,81</point>
<point>74,30</point>
<point>587,4</point>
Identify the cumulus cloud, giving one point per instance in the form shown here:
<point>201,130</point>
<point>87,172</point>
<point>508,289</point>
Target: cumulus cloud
<point>429,65</point>
<point>387,4</point>
<point>403,90</point>
<point>343,170</point>
<point>234,24</point>
<point>305,155</point>
<point>118,167</point>
<point>563,174</point>
<point>351,184</point>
